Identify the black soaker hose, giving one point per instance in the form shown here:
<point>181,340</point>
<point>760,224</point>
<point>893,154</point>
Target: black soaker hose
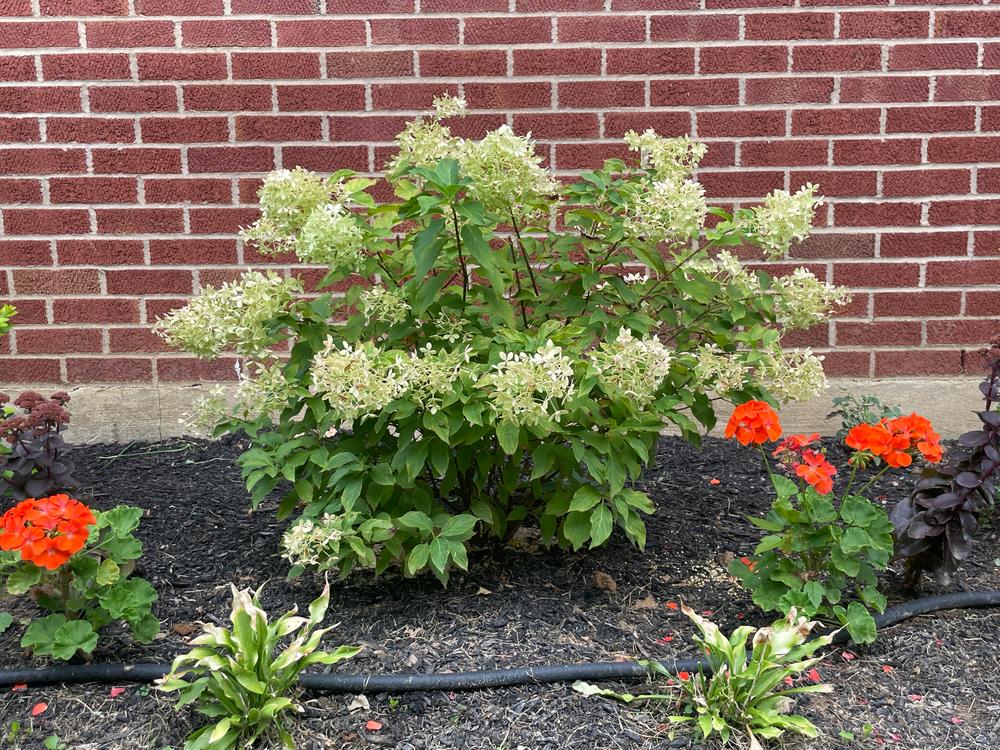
<point>492,678</point>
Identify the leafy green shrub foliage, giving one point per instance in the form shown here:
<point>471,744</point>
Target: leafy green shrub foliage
<point>748,697</point>
<point>245,678</point>
<point>864,409</point>
<point>6,313</point>
<point>510,349</point>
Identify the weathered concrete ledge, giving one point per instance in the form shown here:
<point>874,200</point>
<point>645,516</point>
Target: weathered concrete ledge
<point>120,413</point>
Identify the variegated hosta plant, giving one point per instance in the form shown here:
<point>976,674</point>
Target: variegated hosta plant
<point>244,678</point>
<point>748,695</point>
<point>510,350</point>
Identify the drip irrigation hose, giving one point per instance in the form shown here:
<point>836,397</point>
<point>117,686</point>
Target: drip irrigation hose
<point>492,678</point>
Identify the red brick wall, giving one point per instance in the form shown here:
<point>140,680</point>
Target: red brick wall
<point>134,132</point>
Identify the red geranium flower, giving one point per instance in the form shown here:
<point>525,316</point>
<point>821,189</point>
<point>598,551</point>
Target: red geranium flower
<point>754,422</point>
<point>817,471</point>
<point>795,443</point>
<point>47,531</point>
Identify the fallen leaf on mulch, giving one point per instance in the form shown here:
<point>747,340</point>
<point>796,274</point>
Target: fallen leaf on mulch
<point>116,691</point>
<point>39,708</point>
<point>848,656</point>
<point>360,703</point>
<point>605,582</point>
<point>672,605</point>
<point>372,725</point>
<point>184,628</point>
<point>647,603</point>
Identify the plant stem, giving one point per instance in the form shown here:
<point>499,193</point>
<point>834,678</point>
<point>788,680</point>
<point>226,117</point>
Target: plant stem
<point>524,254</point>
<point>461,257</point>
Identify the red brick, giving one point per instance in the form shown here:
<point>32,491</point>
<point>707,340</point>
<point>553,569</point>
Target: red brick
<point>221,220</point>
<point>788,90</point>
<point>326,158</point>
<point>410,31</point>
<point>101,66</point>
<point>884,25</point>
<point>917,304</point>
<point>19,130</point>
<point>846,364</point>
<point>783,153</point>
<point>184,129</point>
<point>45,221</point>
<point>139,220</point>
<point>226,33</point>
<point>649,61</point>
<point>47,99</point>
<point>454,63</point>
<point>227,97</point>
<point>29,311</point>
<point>963,272</point>
<point>796,25</point>
<point>588,155</point>
<point>837,182</point>
<point>694,27</point>
<point>321,33</point>
<point>29,370</point>
<point>102,310</point>
<point>25,253</point>
<point>741,184</point>
<point>840,121</point>
<point>135,340</point>
<point>616,124</point>
<point>89,130</point>
<point>130,34</point>
<point>369,6</point>
<point>228,159</point>
<point>694,92</point>
<point>367,65</point>
<point>990,119</point>
<point>179,7</point>
<point>194,251</point>
<point>963,150</point>
<point>515,95</point>
<point>530,6</point>
<point>558,125</point>
<point>875,275</point>
<point>99,252</point>
<point>466,6</point>
<point>13,8</point>
<point>188,190</point>
<point>588,94</point>
<point>108,370</point>
<point>17,68</point>
<point>922,244</point>
<point>813,58</point>
<point>866,151</point>
<point>876,214</point>
<point>268,65</point>
<point>967,88</point>
<point>976,303</point>
<point>761,123</point>
<point>930,119</point>
<point>58,340</point>
<point>191,370</point>
<point>42,160</point>
<point>589,29</point>
<point>523,30</point>
<point>580,61</point>
<point>886,89</point>
<point>979,332</point>
<point>974,23</point>
<point>279,129</point>
<point>836,245</point>
<point>92,190</point>
<point>20,191</point>
<point>177,66</point>
<point>278,7</point>
<point>34,34</point>
<point>932,56</point>
<point>366,127</point>
<point>147,281</point>
<point>138,161</point>
<point>744,59</point>
<point>133,99</point>
<point>62,282</point>
<point>920,182</point>
<point>986,243</point>
<point>878,333</point>
<point>917,362</point>
<point>321,98</point>
<point>963,212</point>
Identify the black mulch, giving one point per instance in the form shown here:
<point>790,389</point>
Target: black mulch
<point>931,683</point>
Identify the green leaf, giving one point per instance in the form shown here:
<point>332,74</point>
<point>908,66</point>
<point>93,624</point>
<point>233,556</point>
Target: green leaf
<point>416,520</point>
<point>23,578</point>
<point>783,486</point>
<point>585,498</point>
<point>426,246</point>
<point>108,573</point>
<point>860,623</point>
<point>41,634</point>
<point>459,527</point>
<point>6,619</point>
<point>73,636</point>
<point>417,559</point>
<point>601,524</point>
<point>576,529</point>
<point>508,434</point>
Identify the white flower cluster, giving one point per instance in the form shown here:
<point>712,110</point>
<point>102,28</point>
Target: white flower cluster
<point>287,198</point>
<point>805,300</point>
<point>528,387</point>
<point>446,106</point>
<point>425,142</point>
<point>262,391</point>
<point>506,171</point>
<point>784,218</point>
<point>331,236</point>
<point>631,367</point>
<point>386,305</point>
<point>355,380</point>
<point>306,542</point>
<point>670,157</point>
<point>720,371</point>
<point>792,374</point>
<point>235,314</point>
<point>669,209</point>
<point>428,375</point>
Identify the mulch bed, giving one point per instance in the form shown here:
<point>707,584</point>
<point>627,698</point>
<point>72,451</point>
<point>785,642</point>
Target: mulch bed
<point>933,682</point>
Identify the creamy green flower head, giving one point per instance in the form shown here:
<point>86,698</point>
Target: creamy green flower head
<point>237,314</point>
<point>385,305</point>
<point>262,392</point>
<point>287,199</point>
<point>792,374</point>
<point>331,236</point>
<point>805,300</point>
<point>785,218</point>
<point>528,388</point>
<point>356,380</point>
<point>446,106</point>
<point>719,371</point>
<point>632,368</point>
<point>671,209</point>
<point>506,171</point>
<point>425,142</point>
<point>430,374</point>
<point>670,157</point>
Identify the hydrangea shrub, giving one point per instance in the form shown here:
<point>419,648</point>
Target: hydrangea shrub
<point>513,347</point>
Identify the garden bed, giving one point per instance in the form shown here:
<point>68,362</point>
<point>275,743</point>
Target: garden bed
<point>929,683</point>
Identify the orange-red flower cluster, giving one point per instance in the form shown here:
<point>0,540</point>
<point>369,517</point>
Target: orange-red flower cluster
<point>795,444</point>
<point>895,441</point>
<point>817,471</point>
<point>47,531</point>
<point>754,422</point>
